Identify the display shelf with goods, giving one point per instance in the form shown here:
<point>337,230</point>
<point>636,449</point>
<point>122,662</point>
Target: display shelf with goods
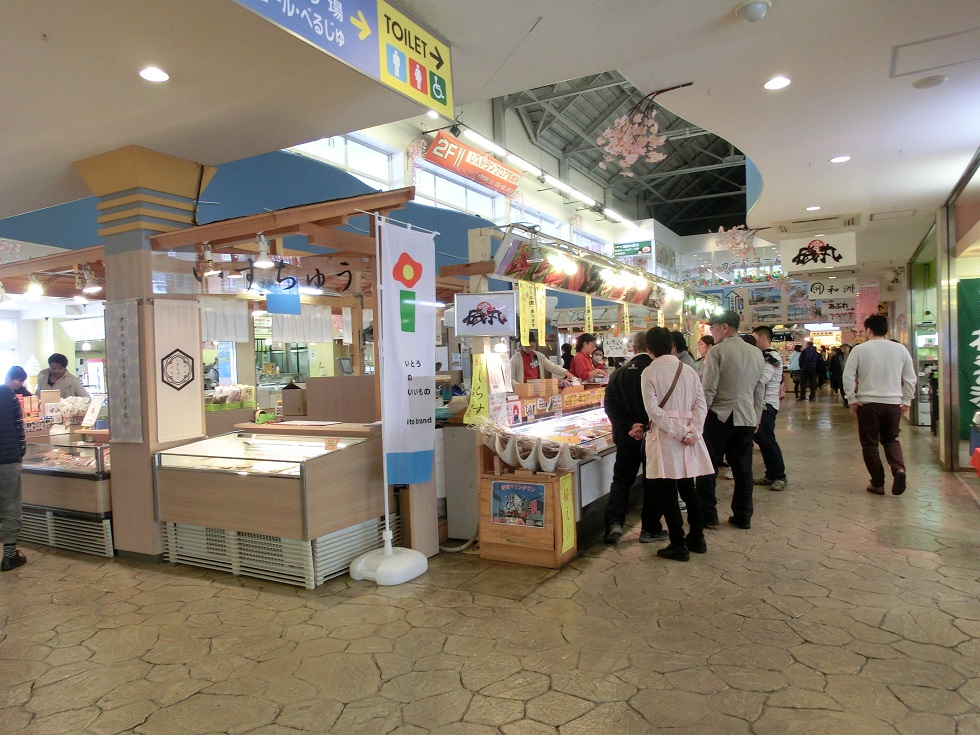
<point>315,502</point>
<point>67,496</point>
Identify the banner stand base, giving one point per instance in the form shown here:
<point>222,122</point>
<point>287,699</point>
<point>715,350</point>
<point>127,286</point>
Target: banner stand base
<point>389,566</point>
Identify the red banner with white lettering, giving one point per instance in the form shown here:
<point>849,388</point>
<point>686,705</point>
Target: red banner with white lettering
<point>453,155</point>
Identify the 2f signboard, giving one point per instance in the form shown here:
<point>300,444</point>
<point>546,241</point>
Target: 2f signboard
<point>453,155</point>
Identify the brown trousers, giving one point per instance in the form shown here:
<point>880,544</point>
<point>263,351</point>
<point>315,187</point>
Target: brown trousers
<point>880,423</point>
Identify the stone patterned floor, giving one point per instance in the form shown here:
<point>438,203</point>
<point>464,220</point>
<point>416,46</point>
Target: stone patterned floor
<point>838,612</point>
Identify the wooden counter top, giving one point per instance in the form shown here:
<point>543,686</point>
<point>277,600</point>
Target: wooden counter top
<point>357,430</point>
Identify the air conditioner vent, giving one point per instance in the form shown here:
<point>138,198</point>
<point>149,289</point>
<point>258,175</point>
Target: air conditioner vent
<point>817,224</point>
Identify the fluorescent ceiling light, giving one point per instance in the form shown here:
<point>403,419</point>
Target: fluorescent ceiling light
<point>575,193</point>
<point>840,159</point>
<point>485,142</point>
<point>433,114</point>
<point>777,83</point>
<point>154,74</point>
<point>814,208</point>
<point>559,185</point>
<point>521,163</point>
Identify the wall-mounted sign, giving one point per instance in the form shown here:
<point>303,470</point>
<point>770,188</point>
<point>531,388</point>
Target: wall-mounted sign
<point>491,314</point>
<point>643,247</point>
<point>454,155</point>
<point>374,38</point>
<point>818,253</point>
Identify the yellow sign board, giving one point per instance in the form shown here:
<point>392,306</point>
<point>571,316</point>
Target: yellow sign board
<point>413,61</point>
<point>567,503</point>
<point>479,405</point>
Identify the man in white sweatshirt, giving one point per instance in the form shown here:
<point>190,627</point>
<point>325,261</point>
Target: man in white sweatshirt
<point>879,385</point>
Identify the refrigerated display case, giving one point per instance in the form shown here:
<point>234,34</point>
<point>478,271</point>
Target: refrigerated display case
<point>66,494</point>
<point>295,509</point>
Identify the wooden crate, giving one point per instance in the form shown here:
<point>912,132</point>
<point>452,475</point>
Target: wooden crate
<point>541,507</point>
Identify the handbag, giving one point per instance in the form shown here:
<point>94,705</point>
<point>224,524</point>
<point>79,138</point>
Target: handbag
<point>795,375</point>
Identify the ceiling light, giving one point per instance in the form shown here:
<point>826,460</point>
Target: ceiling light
<point>154,74</point>
<point>831,277</point>
<point>814,208</point>
<point>209,269</point>
<point>485,142</point>
<point>91,285</point>
<point>34,288</point>
<point>86,346</point>
<point>521,163</point>
<point>79,299</point>
<point>587,200</point>
<point>433,114</point>
<point>752,11</point>
<point>777,83</point>
<point>840,159</point>
<point>263,261</point>
<point>929,82</point>
<point>559,185</point>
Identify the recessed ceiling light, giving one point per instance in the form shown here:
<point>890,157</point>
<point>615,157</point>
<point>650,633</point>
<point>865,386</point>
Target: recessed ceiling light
<point>820,235</point>
<point>929,82</point>
<point>154,74</point>
<point>777,83</point>
<point>840,159</point>
<point>752,11</point>
<point>812,209</point>
<point>831,277</point>
<point>433,114</point>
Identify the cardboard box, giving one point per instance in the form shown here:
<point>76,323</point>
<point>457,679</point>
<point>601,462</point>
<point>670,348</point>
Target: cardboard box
<point>294,401</point>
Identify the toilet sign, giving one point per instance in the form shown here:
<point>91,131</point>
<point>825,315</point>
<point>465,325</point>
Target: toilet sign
<point>374,38</point>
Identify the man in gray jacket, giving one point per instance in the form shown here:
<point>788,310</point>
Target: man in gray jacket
<point>734,385</point>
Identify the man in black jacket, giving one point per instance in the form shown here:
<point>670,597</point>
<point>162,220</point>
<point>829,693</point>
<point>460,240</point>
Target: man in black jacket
<point>808,371</point>
<point>624,407</point>
<point>13,445</point>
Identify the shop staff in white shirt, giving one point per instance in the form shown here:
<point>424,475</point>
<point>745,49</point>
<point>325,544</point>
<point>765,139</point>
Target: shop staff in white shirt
<point>530,364</point>
<point>57,377</point>
<point>879,385</point>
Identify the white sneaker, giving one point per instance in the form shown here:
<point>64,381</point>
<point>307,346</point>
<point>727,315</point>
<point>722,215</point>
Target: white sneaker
<point>726,473</point>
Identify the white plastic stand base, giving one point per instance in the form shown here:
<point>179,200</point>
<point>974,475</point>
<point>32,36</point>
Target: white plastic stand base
<point>389,565</point>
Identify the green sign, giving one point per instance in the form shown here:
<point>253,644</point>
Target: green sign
<point>968,317</point>
<point>645,247</point>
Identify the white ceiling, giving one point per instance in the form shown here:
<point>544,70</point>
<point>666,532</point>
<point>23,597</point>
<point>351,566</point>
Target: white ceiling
<point>241,87</point>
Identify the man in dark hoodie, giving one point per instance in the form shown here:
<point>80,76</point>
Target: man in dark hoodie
<point>624,407</point>
<point>13,445</point>
<point>808,371</point>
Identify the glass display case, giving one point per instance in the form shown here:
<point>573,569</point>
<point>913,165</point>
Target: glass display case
<point>587,428</point>
<point>69,458</point>
<point>252,454</point>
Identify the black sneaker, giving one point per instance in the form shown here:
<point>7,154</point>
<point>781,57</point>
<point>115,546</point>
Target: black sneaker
<point>698,546</point>
<point>762,481</point>
<point>614,533</point>
<point>746,525</point>
<point>12,562</point>
<point>677,553</point>
<point>899,485</point>
<point>649,538</point>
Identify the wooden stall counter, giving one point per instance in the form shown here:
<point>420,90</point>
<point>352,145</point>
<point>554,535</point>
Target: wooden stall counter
<point>302,427</point>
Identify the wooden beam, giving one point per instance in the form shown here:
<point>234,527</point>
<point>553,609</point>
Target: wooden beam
<point>468,269</point>
<point>343,240</point>
<point>56,262</point>
<point>242,228</point>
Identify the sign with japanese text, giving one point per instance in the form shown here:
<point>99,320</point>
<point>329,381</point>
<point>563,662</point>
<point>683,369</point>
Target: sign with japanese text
<point>818,253</point>
<point>621,249</point>
<point>374,38</point>
<point>492,314</point>
<point>968,365</point>
<point>479,405</point>
<point>528,308</point>
<point>589,326</point>
<point>541,309</point>
<point>626,319</point>
<point>454,155</point>
<point>833,288</point>
<point>518,503</point>
<point>495,373</point>
<point>408,332</point>
<point>567,502</point>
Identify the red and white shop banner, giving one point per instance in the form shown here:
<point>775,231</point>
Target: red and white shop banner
<point>454,155</point>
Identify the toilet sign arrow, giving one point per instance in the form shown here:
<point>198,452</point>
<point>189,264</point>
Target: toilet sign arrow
<point>437,55</point>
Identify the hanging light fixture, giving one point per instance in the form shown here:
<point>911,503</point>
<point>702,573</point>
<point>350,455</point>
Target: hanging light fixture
<point>91,285</point>
<point>263,261</point>
<point>209,269</point>
<point>34,288</point>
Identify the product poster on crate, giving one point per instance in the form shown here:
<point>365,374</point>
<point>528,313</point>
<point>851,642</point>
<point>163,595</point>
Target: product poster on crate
<point>517,504</point>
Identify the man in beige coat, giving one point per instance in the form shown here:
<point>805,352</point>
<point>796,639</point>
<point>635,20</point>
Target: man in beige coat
<point>734,385</point>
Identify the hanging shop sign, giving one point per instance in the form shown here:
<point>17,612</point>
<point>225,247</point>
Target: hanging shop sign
<point>642,247</point>
<point>818,253</point>
<point>833,288</point>
<point>454,155</point>
<point>524,261</point>
<point>492,314</point>
<point>374,38</point>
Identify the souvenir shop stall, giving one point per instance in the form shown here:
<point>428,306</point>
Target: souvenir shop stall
<point>533,456</point>
<point>296,493</point>
<point>66,470</point>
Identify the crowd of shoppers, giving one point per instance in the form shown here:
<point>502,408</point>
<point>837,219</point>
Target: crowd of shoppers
<point>681,419</point>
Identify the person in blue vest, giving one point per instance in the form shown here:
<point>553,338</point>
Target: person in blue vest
<point>13,445</point>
